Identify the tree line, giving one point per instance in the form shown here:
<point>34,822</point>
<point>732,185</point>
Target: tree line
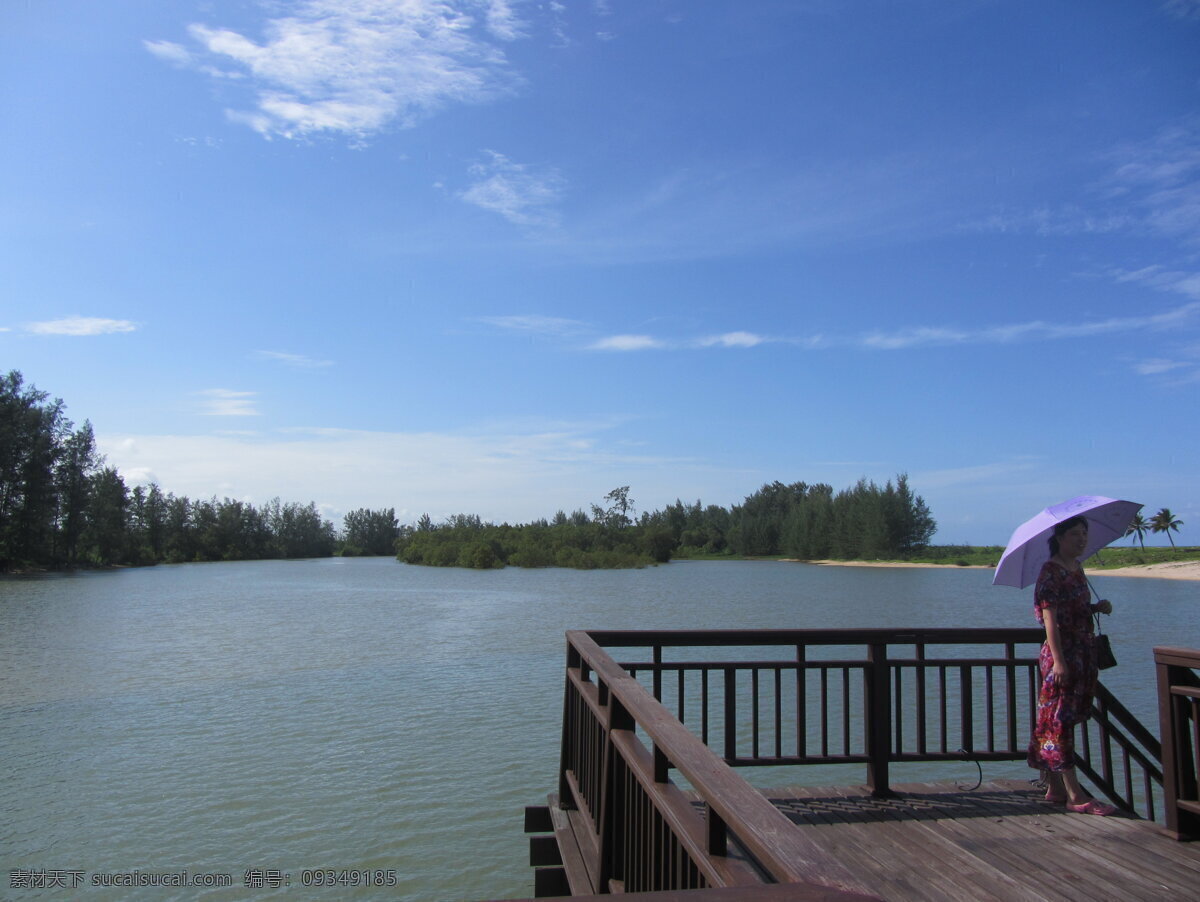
<point>809,522</point>
<point>61,505</point>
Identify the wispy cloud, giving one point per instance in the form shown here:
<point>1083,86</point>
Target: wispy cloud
<point>297,360</point>
<point>1037,330</point>
<point>732,340</point>
<point>1183,9</point>
<point>354,67</point>
<point>502,21</point>
<point>628,343</point>
<point>170,52</point>
<point>1160,178</point>
<point>538,325</point>
<point>1185,283</point>
<point>81,325</point>
<point>1149,186</point>
<point>910,337</point>
<point>221,402</point>
<point>520,193</point>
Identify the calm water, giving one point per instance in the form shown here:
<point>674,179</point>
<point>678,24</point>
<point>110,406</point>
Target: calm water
<point>363,714</point>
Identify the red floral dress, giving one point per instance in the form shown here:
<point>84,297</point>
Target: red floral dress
<point>1063,594</point>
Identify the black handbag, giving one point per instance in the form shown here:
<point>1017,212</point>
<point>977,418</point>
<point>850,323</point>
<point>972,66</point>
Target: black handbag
<point>1104,653</point>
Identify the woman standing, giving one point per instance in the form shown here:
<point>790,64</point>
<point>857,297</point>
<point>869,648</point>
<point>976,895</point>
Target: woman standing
<point>1068,666</point>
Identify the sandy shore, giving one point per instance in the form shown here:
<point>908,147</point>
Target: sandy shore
<point>1169,570</point>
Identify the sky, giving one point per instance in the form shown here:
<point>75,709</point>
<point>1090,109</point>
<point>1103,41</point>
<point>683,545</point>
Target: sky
<point>501,257</point>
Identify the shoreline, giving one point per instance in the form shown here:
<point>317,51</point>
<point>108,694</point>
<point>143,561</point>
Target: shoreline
<point>1168,570</point>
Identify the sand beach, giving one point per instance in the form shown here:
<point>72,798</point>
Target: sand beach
<point>1169,570</point>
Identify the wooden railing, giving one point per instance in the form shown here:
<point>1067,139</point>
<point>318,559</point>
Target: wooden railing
<point>871,697</point>
<point>1179,721</point>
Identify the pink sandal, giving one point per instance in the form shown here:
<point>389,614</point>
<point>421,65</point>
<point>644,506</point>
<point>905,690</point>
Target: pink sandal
<point>1092,806</point>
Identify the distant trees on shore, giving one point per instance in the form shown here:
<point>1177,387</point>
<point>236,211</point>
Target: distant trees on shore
<point>796,520</point>
<point>62,506</point>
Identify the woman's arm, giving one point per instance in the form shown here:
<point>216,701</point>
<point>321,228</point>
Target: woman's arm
<point>1054,640</point>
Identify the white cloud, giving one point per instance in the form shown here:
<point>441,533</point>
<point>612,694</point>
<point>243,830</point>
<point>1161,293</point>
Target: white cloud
<point>221,402</point>
<point>81,325</point>
<point>297,360</point>
<point>1037,330</point>
<point>1183,9</point>
<point>169,51</point>
<point>536,324</point>
<point>732,340</point>
<point>502,21</point>
<point>1160,177</point>
<point>514,474</point>
<point>627,343</point>
<point>1184,283</point>
<point>1151,185</point>
<point>518,192</point>
<point>355,67</point>
<point>1159,365</point>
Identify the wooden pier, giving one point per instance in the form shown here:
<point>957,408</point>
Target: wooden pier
<point>702,703</point>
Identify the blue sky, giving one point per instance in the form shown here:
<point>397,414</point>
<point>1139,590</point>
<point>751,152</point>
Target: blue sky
<point>501,257</point>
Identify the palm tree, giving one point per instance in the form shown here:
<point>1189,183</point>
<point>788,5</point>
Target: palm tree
<point>1164,521</point>
<point>1138,527</point>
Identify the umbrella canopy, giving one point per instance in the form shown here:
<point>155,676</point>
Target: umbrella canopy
<point>1029,546</point>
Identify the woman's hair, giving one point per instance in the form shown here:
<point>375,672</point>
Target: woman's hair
<point>1060,528</point>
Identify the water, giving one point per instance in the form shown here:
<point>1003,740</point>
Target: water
<point>363,714</point>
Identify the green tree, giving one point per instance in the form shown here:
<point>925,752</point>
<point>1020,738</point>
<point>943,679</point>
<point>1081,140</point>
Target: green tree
<point>371,532</point>
<point>1165,521</point>
<point>298,530</point>
<point>618,514</point>
<point>106,528</point>
<point>1138,529</point>
<point>29,432</point>
<point>74,477</point>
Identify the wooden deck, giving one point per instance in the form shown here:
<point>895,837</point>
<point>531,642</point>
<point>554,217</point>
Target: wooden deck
<point>695,705</point>
<point>998,842</point>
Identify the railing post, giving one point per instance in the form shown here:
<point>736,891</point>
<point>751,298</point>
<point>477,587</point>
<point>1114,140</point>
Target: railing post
<point>877,697</point>
<point>716,833</point>
<point>730,713</point>
<point>568,730</point>
<point>1178,753</point>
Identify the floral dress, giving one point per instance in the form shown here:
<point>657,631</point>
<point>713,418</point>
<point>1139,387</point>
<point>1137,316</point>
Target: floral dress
<point>1063,594</point>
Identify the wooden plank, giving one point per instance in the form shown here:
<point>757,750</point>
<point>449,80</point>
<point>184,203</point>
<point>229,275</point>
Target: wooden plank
<point>774,892</point>
<point>543,851</point>
<point>938,843</point>
<point>578,878</point>
<point>537,819</point>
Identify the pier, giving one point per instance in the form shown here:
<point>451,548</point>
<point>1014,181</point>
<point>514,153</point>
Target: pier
<point>656,725</point>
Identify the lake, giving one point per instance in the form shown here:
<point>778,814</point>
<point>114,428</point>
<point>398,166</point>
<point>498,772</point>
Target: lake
<point>281,717</point>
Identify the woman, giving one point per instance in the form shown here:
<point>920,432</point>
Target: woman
<point>1068,666</point>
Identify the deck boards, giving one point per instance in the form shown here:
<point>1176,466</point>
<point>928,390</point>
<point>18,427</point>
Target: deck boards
<point>936,843</point>
<point>999,842</point>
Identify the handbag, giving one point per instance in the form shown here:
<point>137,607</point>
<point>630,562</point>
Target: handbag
<point>1104,653</point>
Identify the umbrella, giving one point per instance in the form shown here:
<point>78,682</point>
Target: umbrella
<point>1029,547</point>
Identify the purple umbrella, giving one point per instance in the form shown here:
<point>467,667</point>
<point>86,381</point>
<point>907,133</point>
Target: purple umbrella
<point>1029,546</point>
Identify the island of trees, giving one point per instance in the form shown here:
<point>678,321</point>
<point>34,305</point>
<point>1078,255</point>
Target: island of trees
<point>808,522</point>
